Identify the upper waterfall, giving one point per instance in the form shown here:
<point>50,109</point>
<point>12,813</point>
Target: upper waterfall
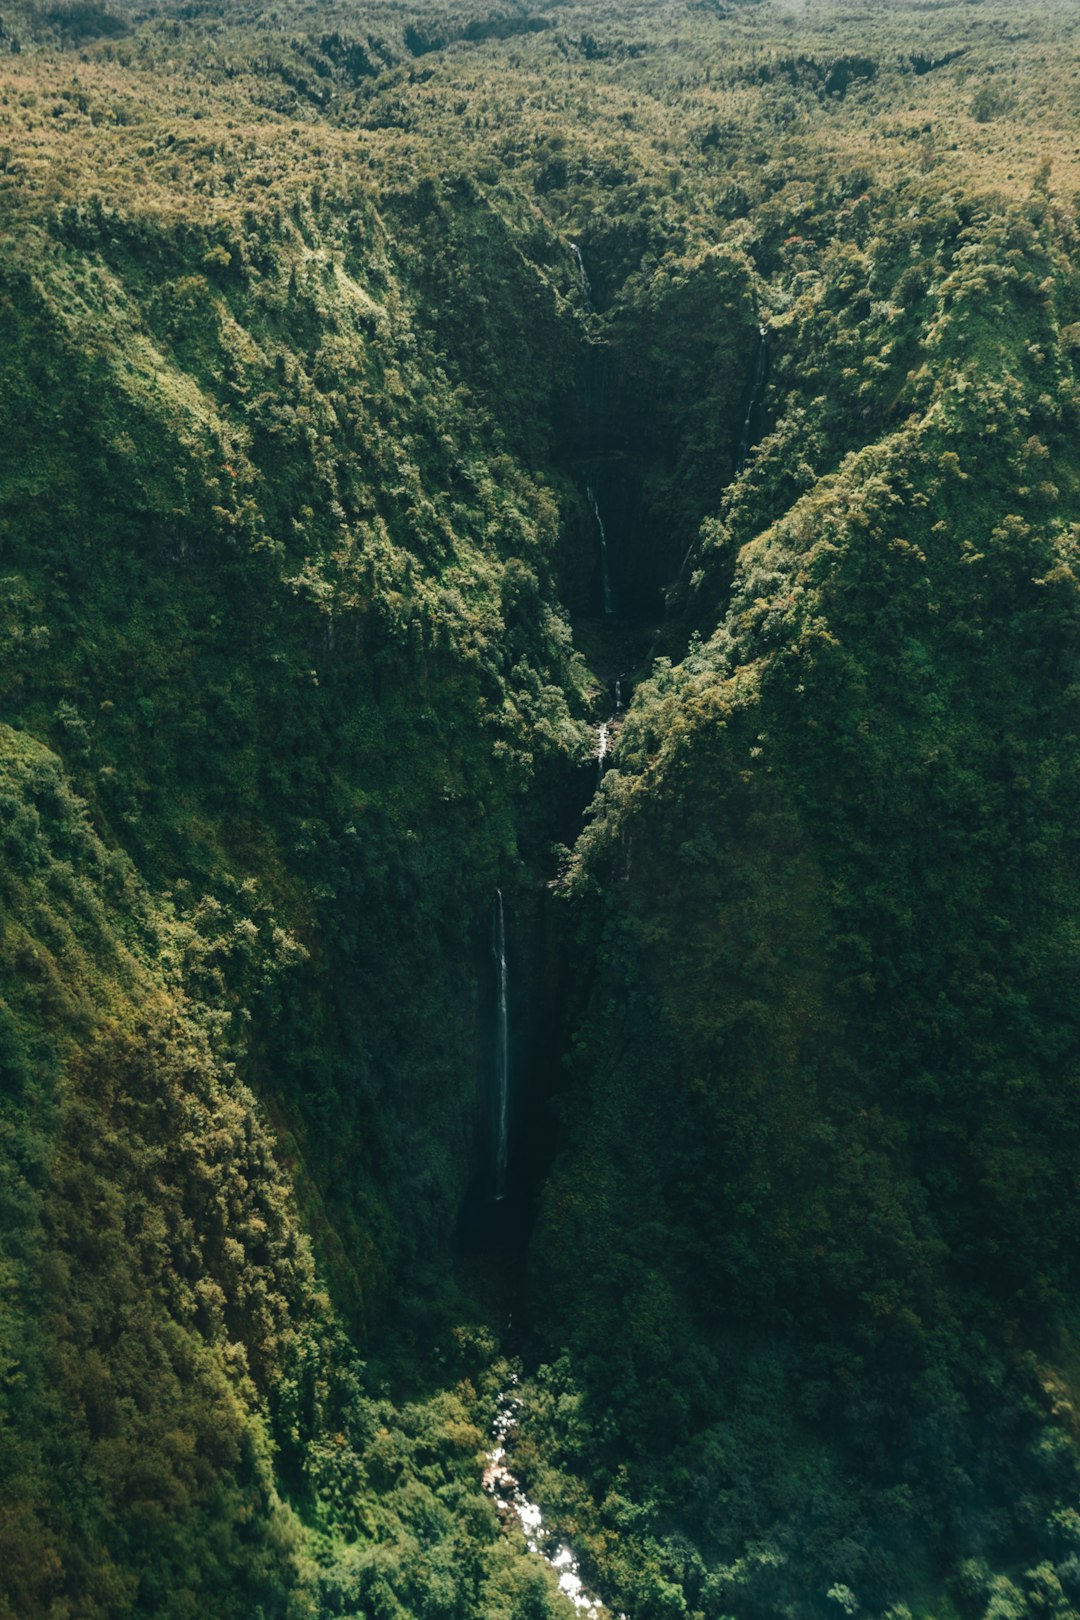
<point>583,275</point>
<point>757,388</point>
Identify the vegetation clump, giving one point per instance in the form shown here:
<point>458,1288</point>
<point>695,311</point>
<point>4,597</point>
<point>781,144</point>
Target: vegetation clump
<point>333,341</point>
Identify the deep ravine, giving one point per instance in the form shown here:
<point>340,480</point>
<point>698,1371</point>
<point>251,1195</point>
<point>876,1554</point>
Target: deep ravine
<point>612,632</point>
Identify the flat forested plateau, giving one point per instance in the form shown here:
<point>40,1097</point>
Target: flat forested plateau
<point>332,340</point>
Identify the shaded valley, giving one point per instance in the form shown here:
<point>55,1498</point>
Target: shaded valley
<point>539,631</point>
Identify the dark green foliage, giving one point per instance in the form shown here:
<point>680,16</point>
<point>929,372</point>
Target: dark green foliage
<point>300,388</point>
<point>838,981</point>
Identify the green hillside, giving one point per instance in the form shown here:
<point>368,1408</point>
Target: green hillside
<point>616,471</point>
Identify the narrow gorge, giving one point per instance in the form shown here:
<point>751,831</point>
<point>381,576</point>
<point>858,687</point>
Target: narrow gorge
<point>609,436</point>
<point>539,745</point>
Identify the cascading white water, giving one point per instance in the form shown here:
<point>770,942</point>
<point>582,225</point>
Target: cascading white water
<point>586,289</point>
<point>603,748</point>
<point>605,569</point>
<point>503,1486</point>
<point>502,1053</point>
<point>606,733</point>
<point>761,362</point>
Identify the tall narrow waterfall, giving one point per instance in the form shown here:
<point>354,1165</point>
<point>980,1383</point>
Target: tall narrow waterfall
<point>757,388</point>
<point>586,289</point>
<point>502,1053</point>
<point>605,567</point>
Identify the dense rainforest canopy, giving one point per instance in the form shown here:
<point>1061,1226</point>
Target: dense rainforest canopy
<point>539,566</point>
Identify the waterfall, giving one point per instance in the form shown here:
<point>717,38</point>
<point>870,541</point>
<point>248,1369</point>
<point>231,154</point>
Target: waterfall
<point>609,603</point>
<point>502,1054</point>
<point>603,749</point>
<point>757,386</point>
<point>757,389</point>
<point>606,733</point>
<point>586,289</point>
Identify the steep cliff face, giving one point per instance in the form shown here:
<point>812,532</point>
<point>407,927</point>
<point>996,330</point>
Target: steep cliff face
<point>329,358</point>
<point>280,618</point>
<point>814,1199</point>
<point>312,659</point>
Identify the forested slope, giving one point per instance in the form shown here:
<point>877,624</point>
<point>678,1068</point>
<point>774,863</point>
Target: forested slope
<point>333,342</point>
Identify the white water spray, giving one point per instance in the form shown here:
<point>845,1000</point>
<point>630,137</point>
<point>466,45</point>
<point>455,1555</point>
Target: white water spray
<point>502,1053</point>
<point>603,749</point>
<point>513,1504</point>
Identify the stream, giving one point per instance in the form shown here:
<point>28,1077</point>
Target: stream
<point>514,1507</point>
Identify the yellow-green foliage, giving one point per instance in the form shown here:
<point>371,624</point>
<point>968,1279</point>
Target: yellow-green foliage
<point>298,382</point>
